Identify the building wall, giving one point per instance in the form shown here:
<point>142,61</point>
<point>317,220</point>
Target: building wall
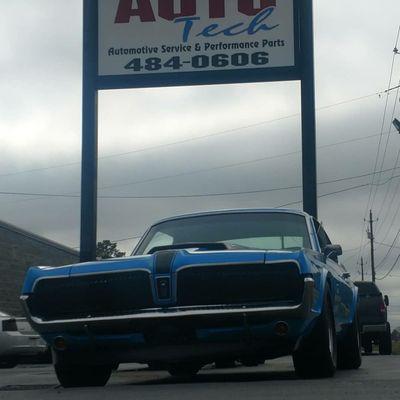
<point>20,250</point>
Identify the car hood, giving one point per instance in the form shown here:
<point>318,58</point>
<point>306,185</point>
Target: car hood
<point>176,259</point>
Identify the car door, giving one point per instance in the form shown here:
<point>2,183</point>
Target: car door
<point>343,293</point>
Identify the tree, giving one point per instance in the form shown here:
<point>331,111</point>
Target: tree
<point>108,249</point>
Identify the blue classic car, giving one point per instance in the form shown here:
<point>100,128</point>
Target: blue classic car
<point>246,285</point>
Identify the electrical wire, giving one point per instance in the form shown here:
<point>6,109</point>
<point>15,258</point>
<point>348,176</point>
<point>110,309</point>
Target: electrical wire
<point>384,119</point>
<point>191,139</point>
<point>225,166</point>
<point>199,195</point>
<point>390,270</point>
<point>396,163</point>
<point>379,147</point>
<point>380,264</point>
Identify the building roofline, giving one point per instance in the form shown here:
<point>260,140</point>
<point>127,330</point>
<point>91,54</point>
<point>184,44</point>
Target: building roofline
<point>37,238</point>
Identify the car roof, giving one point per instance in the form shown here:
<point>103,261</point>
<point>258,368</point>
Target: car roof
<point>365,283</point>
<point>367,287</point>
<point>235,211</point>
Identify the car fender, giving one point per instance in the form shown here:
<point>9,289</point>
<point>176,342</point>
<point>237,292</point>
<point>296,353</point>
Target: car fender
<point>323,283</point>
<point>354,307</point>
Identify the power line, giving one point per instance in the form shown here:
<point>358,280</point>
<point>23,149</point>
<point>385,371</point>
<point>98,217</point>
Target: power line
<point>396,163</point>
<point>390,270</point>
<point>379,147</point>
<point>279,206</point>
<point>183,141</point>
<point>386,146</point>
<point>225,166</point>
<point>117,240</point>
<point>389,250</point>
<point>384,118</point>
<point>387,245</point>
<point>199,195</point>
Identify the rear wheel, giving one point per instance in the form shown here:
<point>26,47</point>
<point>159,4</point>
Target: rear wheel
<point>316,357</point>
<point>349,350</point>
<point>385,343</point>
<point>83,375</point>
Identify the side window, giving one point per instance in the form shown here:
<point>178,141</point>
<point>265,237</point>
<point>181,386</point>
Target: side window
<point>160,239</point>
<point>323,238</point>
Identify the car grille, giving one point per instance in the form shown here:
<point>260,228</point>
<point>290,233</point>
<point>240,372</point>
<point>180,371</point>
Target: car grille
<point>91,295</point>
<point>239,284</point>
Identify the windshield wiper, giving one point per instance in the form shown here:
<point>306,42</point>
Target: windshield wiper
<point>202,246</point>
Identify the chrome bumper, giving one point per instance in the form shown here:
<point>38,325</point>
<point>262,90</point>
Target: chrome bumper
<point>301,310</point>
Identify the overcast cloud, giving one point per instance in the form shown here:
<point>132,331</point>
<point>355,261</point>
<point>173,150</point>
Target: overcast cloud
<point>40,127</point>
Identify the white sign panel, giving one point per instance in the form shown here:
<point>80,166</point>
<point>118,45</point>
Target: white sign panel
<point>139,37</point>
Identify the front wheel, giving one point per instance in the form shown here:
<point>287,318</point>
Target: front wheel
<point>316,357</point>
<point>349,351</point>
<point>83,375</point>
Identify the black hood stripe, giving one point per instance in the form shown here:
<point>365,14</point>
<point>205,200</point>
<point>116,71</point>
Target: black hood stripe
<point>164,261</point>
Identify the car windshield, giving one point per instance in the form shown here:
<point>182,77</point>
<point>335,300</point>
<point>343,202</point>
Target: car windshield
<point>262,231</point>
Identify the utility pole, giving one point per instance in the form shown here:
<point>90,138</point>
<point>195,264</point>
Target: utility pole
<point>362,268</point>
<point>370,233</point>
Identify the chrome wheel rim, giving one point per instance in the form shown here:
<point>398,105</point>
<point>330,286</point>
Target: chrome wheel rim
<point>330,339</point>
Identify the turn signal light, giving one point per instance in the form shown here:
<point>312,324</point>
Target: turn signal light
<point>59,343</point>
<point>281,328</point>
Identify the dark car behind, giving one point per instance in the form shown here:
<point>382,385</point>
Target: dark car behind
<point>374,326</point>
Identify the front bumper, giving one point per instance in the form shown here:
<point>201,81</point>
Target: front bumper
<point>212,312</point>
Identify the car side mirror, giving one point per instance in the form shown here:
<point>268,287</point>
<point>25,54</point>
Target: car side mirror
<point>386,300</point>
<point>346,275</point>
<point>333,251</point>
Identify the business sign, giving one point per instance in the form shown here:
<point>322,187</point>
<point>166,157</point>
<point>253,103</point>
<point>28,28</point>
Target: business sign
<point>165,42</point>
<point>154,43</point>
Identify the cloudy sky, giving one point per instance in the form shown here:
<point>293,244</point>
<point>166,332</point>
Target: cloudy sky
<point>197,140</point>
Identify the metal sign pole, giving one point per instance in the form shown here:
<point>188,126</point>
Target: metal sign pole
<point>89,133</point>
<point>309,157</point>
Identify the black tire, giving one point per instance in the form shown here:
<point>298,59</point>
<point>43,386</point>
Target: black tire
<point>349,350</point>
<point>155,366</point>
<point>317,355</point>
<point>385,343</point>
<point>7,365</point>
<point>367,347</point>
<point>184,370</point>
<point>225,364</point>
<point>83,375</point>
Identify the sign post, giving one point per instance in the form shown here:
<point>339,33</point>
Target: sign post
<point>89,133</point>
<point>155,43</point>
<point>309,146</point>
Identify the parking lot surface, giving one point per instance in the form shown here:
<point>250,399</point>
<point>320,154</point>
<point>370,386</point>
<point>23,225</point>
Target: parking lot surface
<point>378,378</point>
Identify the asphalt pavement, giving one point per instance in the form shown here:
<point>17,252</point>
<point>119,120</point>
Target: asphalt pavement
<point>378,378</point>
